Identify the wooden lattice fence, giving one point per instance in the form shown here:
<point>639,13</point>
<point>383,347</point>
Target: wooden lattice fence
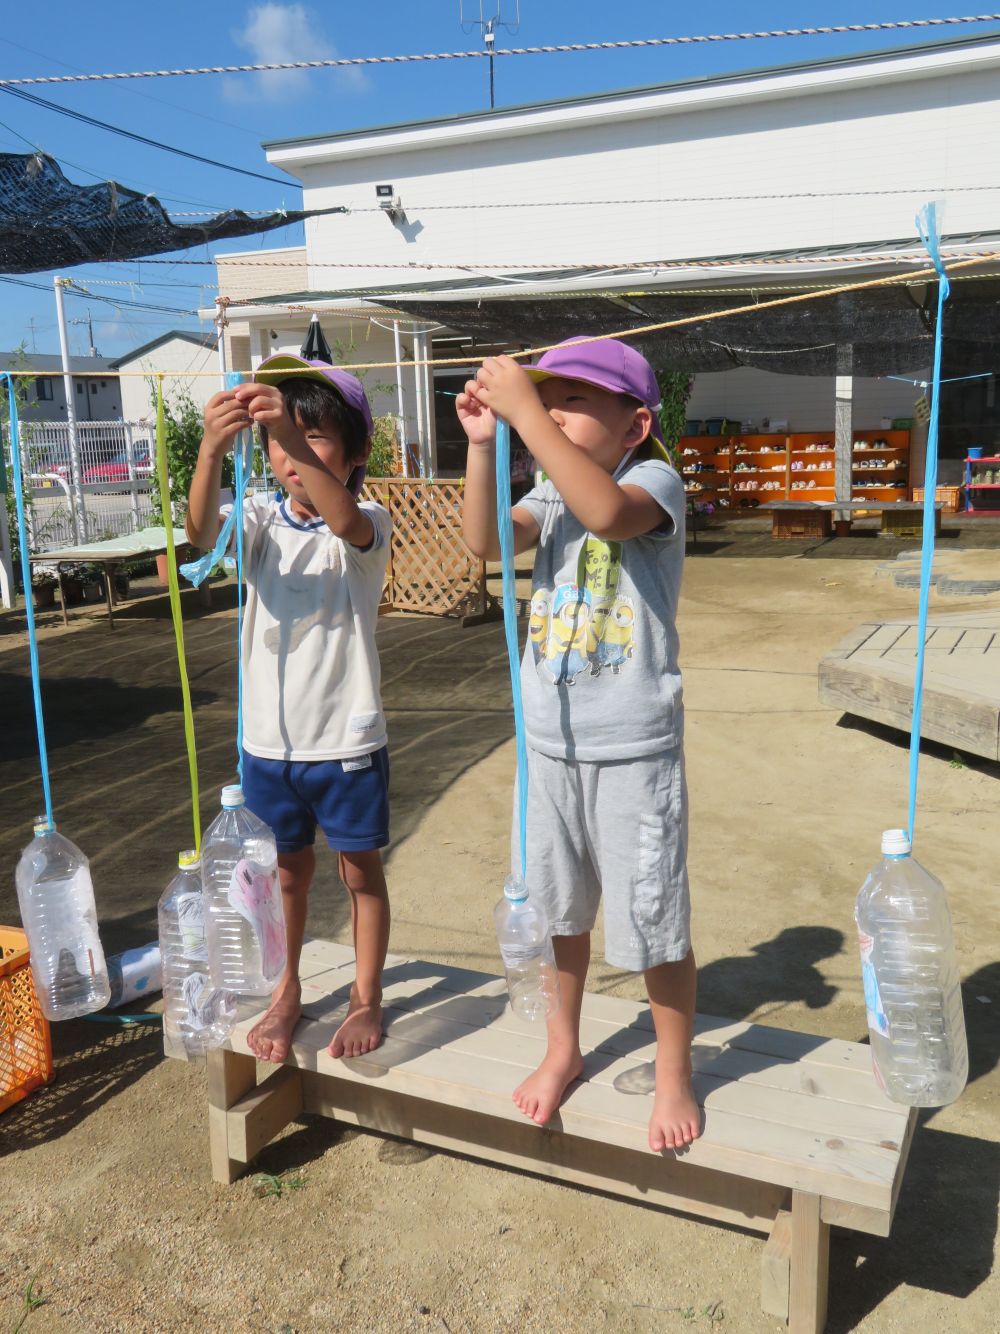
<point>431,569</point>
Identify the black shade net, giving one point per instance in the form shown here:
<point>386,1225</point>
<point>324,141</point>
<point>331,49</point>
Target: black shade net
<point>47,222</point>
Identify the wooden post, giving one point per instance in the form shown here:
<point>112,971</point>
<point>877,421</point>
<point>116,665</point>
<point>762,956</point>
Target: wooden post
<point>231,1074</point>
<point>843,463</point>
<point>810,1266</point>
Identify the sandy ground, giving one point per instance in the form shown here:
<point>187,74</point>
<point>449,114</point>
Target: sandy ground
<point>107,1199</point>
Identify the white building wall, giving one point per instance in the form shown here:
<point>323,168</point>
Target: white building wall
<point>184,363</point>
<point>889,145</point>
<point>805,401</point>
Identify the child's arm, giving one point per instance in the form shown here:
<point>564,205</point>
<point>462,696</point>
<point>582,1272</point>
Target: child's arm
<point>224,419</point>
<point>334,503</point>
<point>603,507</point>
<point>479,500</point>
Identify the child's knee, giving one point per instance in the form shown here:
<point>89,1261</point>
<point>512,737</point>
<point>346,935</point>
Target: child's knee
<point>362,872</point>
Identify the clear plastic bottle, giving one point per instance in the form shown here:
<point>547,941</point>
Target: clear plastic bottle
<point>526,948</point>
<point>244,923</point>
<point>196,1015</point>
<point>912,991</point>
<point>56,899</point>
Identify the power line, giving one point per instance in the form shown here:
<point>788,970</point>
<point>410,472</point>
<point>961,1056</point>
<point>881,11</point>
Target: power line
<point>74,289</point>
<point>138,138</point>
<point>559,49</point>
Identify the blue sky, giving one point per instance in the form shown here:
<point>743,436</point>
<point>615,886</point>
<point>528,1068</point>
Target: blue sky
<point>227,117</point>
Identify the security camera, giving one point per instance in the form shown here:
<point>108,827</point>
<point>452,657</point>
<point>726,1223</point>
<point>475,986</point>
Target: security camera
<point>390,203</point>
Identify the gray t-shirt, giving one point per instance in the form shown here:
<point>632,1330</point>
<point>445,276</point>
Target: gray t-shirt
<point>599,675</point>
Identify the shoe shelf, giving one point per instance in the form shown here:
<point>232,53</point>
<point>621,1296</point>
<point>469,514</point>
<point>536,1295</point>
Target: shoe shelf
<point>980,496</point>
<point>739,472</point>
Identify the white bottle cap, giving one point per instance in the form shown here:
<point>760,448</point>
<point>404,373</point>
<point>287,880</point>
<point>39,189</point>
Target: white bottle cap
<point>189,859</point>
<point>232,796</point>
<point>515,889</point>
<point>43,826</point>
<point>895,843</point>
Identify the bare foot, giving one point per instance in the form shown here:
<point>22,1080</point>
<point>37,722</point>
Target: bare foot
<point>676,1119</point>
<point>271,1039</point>
<point>361,1031</point>
<point>541,1093</point>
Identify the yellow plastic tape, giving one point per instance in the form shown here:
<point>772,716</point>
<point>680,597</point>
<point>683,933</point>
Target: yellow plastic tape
<point>163,477</point>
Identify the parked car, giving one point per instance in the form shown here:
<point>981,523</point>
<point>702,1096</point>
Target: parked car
<point>50,459</point>
<point>115,469</point>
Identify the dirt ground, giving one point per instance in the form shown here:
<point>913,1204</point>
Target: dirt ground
<point>107,1197</point>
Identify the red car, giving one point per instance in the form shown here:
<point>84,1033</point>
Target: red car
<point>115,469</point>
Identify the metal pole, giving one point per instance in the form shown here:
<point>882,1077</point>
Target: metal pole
<point>400,397</point>
<point>220,323</point>
<point>420,352</point>
<point>6,560</point>
<point>77,511</point>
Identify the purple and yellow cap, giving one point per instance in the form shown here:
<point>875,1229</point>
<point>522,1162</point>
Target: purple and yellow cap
<point>286,366</point>
<point>608,364</point>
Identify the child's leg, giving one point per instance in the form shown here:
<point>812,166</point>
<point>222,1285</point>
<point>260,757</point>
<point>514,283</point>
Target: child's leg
<point>364,880</point>
<point>676,1118</point>
<point>271,1038</point>
<point>541,1093</point>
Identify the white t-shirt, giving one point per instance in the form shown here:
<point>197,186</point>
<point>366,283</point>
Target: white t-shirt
<point>311,673</point>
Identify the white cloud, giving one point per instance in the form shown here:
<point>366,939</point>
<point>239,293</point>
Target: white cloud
<point>275,33</point>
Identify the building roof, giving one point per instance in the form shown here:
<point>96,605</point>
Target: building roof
<point>759,73</point>
<point>43,361</point>
<point>199,340</point>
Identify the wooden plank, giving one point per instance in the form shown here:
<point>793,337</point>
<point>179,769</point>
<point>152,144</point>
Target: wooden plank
<point>808,1279</point>
<point>884,637</point>
<point>255,1119</point>
<point>666,1181</point>
<point>857,639</point>
<point>977,639</point>
<point>230,1075</point>
<point>775,1267</point>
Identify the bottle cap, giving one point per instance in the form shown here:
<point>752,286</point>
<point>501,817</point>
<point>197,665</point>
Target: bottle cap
<point>43,825</point>
<point>896,843</point>
<point>515,889</point>
<point>188,859</point>
<point>232,796</point>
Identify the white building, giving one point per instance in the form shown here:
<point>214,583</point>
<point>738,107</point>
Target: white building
<point>95,393</point>
<point>184,356</point>
<point>522,225</point>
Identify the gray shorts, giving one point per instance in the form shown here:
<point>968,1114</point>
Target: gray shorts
<point>617,826</point>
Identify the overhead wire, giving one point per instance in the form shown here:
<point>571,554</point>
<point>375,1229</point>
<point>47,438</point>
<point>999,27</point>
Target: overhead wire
<point>560,48</point>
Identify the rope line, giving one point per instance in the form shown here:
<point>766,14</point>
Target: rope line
<point>561,48</point>
<point>752,307</point>
<point>505,529</point>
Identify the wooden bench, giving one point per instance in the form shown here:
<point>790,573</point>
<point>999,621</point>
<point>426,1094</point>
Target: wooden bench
<point>798,1136</point>
<point>801,519</point>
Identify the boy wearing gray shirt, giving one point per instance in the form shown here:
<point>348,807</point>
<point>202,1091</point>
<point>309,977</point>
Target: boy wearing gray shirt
<point>602,691</point>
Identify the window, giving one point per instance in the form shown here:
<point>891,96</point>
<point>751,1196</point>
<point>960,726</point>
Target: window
<point>43,391</point>
<point>79,388</point>
<point>93,388</point>
<point>104,384</point>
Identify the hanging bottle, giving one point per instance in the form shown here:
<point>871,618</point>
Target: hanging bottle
<point>912,992</point>
<point>526,948</point>
<point>196,1015</point>
<point>244,922</point>
<point>56,898</point>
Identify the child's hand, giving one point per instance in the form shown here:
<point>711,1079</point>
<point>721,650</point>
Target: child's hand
<point>225,417</point>
<point>505,389</point>
<point>478,422</point>
<point>265,404</point>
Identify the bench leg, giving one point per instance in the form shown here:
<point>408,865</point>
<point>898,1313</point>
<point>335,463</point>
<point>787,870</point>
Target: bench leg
<point>775,1267</point>
<point>809,1267</point>
<point>231,1074</point>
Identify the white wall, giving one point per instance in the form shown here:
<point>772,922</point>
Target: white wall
<point>918,137</point>
<point>805,401</point>
<point>178,356</point>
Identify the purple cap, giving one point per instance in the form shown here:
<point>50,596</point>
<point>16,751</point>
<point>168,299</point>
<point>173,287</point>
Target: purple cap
<point>608,364</point>
<point>285,366</point>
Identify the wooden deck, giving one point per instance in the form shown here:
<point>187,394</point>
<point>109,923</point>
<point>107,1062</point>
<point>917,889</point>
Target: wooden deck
<point>870,674</point>
<point>798,1135</point>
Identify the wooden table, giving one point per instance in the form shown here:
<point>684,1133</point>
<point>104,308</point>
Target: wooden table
<point>799,519</point>
<point>110,553</point>
<point>797,1137</point>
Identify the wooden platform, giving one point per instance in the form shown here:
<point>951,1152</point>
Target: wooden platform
<point>797,1136</point>
<point>870,674</point>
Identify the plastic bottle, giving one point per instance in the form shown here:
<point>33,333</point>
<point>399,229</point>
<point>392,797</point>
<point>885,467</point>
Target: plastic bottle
<point>56,899</point>
<point>912,991</point>
<point>244,922</point>
<point>526,948</point>
<point>196,1015</point>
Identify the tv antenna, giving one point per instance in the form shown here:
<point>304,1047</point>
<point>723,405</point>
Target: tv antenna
<point>491,15</point>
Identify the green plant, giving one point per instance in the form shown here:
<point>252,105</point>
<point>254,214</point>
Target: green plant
<point>43,576</point>
<point>183,426</point>
<point>675,390</point>
<point>32,1301</point>
<point>20,383</point>
<point>382,460</point>
<point>266,1184</point>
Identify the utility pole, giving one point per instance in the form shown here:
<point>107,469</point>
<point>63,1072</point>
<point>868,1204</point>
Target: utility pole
<point>79,514</point>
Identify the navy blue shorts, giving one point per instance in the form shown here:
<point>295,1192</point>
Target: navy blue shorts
<point>350,804</point>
